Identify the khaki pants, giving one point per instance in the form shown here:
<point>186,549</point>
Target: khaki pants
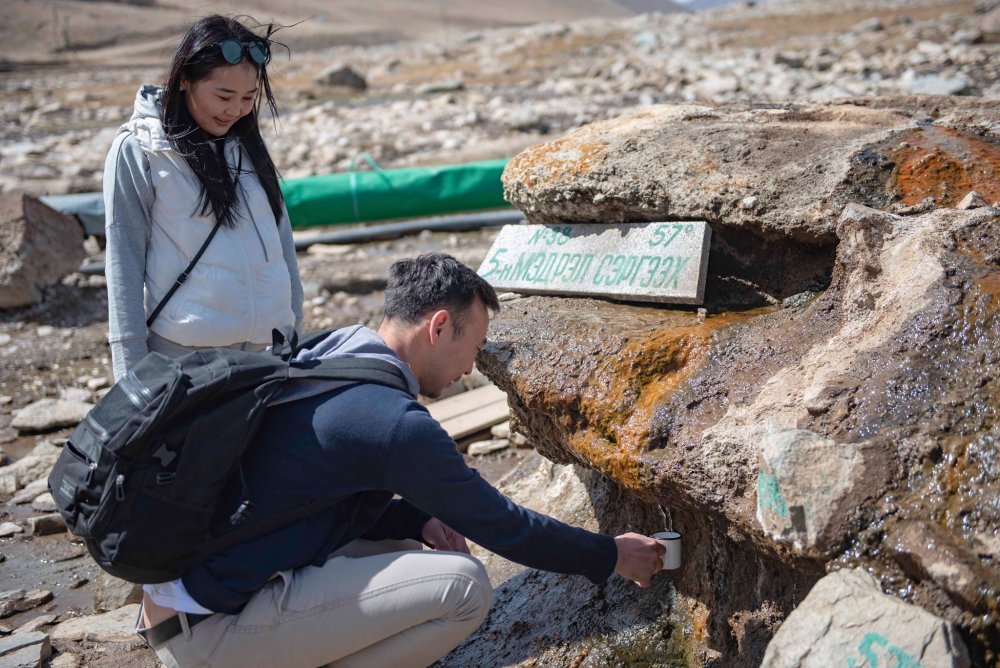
<point>369,605</point>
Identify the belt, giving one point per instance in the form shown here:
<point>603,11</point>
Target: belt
<point>158,634</point>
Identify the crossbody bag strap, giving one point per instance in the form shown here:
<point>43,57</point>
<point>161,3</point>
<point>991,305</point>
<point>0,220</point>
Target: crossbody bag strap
<point>197,256</point>
<point>182,277</point>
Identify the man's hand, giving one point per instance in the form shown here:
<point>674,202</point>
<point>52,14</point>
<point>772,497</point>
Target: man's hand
<point>440,536</point>
<point>638,558</point>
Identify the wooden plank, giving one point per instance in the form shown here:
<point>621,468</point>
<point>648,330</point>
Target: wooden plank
<point>476,420</point>
<point>452,407</point>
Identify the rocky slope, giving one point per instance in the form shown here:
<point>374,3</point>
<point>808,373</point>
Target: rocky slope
<point>491,93</point>
<point>833,409</point>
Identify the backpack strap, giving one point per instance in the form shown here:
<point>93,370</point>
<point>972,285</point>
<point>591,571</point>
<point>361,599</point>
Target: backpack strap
<point>263,527</point>
<point>361,369</point>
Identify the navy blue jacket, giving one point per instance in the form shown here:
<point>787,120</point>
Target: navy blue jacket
<point>363,444</point>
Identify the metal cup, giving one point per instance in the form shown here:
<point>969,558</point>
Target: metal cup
<point>671,540</point>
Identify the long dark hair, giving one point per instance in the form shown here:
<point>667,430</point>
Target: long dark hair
<point>196,57</point>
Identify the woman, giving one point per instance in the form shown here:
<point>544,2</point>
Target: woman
<point>193,205</point>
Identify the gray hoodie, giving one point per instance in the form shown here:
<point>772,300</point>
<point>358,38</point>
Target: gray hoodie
<point>246,283</point>
<point>354,341</point>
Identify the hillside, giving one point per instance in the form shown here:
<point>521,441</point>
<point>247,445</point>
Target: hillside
<point>67,31</point>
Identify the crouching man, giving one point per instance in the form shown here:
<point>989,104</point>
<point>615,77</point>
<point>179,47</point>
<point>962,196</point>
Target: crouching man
<point>352,585</point>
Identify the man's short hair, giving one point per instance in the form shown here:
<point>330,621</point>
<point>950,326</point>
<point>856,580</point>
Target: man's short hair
<point>432,282</point>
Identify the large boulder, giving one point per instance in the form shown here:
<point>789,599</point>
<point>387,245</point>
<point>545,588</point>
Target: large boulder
<point>38,247</point>
<point>784,172</point>
<point>840,382</point>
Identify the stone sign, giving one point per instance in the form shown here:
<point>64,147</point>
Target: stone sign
<point>659,262</point>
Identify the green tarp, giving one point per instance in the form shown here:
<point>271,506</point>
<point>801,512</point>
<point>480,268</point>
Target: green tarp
<point>384,194</point>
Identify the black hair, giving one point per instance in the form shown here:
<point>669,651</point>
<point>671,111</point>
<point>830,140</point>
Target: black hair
<point>435,281</point>
<point>196,56</point>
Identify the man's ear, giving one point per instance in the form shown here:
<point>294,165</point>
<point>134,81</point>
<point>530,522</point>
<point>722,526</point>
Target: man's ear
<point>436,325</point>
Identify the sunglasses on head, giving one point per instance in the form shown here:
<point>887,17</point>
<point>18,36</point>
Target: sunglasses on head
<point>258,50</point>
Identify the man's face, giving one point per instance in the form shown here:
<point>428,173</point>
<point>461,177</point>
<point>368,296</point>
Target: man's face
<point>455,355</point>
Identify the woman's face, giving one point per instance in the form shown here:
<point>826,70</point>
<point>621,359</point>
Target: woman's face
<point>225,96</point>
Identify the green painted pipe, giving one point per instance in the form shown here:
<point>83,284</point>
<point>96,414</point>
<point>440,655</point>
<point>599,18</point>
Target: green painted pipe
<point>386,194</point>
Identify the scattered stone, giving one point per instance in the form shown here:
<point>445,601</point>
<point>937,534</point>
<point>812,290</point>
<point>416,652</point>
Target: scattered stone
<point>33,466</point>
<point>927,552</point>
<point>8,529</point>
<point>44,503</point>
<point>4,340</point>
<point>341,75</point>
<point>77,394</point>
<point>19,600</point>
<point>113,593</point>
<point>37,623</point>
<point>972,200</point>
<point>97,383</point>
<point>485,447</point>
<point>39,246</point>
<point>44,525</point>
<point>24,650</point>
<point>519,440</point>
<point>65,660</point>
<point>45,330</point>
<point>927,204</point>
<point>809,488</point>
<point>115,626</point>
<point>9,600</point>
<point>31,491</point>
<point>870,25</point>
<point>501,430</point>
<point>50,414</point>
<point>933,84</point>
<point>847,615</point>
<point>441,87</point>
<point>794,62</point>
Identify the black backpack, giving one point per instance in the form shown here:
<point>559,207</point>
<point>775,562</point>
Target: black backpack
<point>141,477</point>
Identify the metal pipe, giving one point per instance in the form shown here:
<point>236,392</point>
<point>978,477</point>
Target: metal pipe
<point>459,223</point>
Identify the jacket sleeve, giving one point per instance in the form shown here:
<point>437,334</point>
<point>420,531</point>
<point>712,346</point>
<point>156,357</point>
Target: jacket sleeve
<point>400,520</point>
<point>288,250</point>
<point>128,199</point>
<point>421,464</point>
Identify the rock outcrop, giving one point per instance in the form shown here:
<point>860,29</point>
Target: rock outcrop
<point>39,246</point>
<point>837,403</point>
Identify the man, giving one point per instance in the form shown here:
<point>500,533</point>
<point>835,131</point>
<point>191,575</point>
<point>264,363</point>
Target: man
<point>351,586</point>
